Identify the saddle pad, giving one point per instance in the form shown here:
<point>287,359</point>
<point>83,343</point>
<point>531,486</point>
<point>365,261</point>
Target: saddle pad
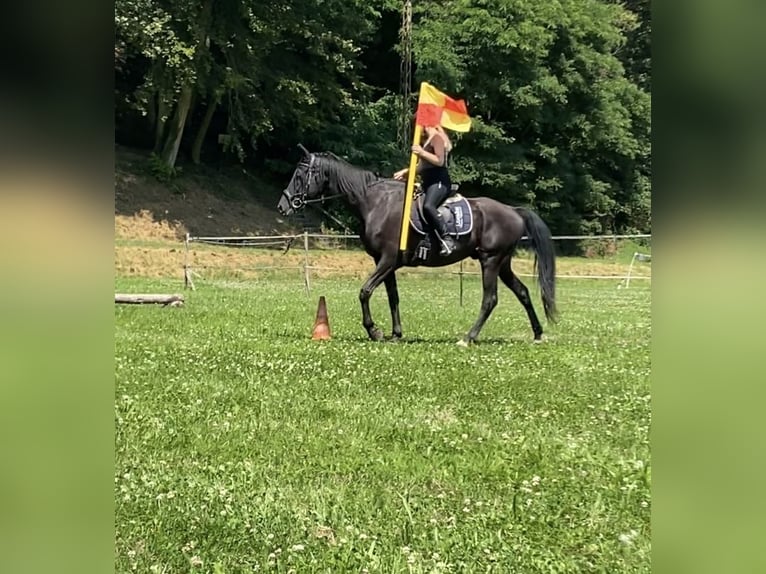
<point>455,212</point>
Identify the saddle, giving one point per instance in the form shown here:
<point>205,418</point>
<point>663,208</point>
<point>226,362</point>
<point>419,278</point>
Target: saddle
<point>454,210</point>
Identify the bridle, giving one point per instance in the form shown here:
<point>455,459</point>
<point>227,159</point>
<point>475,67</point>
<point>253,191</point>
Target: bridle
<point>299,198</point>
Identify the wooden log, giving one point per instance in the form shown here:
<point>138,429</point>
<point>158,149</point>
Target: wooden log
<point>148,298</point>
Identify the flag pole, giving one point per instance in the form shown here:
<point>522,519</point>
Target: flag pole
<point>408,192</point>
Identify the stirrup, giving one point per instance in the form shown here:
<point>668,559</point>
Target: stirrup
<point>447,248</point>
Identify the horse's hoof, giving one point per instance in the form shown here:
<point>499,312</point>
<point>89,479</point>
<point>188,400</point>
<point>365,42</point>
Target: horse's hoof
<point>540,339</point>
<point>377,335</point>
<point>463,343</point>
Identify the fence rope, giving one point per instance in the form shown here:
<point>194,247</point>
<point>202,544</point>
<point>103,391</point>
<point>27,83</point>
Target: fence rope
<point>305,268</point>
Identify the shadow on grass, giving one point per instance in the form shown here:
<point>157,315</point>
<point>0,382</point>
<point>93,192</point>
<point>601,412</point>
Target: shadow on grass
<point>415,340</point>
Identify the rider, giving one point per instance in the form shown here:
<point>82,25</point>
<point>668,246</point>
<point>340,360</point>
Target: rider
<point>434,177</point>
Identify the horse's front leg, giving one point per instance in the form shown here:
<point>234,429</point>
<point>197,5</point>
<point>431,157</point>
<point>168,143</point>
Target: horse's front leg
<point>393,302</point>
<point>383,269</point>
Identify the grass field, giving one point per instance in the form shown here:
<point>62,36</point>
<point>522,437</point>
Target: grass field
<point>242,446</point>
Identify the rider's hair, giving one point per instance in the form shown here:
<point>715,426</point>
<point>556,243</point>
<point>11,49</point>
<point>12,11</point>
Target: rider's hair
<point>440,130</point>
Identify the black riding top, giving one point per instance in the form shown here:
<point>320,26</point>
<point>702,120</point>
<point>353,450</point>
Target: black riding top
<point>432,174</point>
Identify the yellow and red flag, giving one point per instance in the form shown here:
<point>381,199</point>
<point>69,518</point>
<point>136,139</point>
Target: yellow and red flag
<point>437,108</point>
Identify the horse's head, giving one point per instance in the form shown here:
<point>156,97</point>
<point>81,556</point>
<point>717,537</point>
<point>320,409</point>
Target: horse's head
<point>306,184</point>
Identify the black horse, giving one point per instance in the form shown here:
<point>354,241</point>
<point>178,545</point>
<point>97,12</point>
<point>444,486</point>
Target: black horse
<point>378,203</point>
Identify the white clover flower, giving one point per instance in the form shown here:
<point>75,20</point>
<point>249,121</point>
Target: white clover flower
<point>627,539</point>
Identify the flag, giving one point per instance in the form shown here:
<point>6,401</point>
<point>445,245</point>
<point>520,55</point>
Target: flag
<point>436,108</point>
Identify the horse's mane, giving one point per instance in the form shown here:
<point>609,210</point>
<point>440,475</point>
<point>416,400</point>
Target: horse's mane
<point>356,170</point>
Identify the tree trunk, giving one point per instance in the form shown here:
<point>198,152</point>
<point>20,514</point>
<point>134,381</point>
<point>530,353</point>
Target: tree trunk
<point>176,128</point>
<point>151,112</point>
<point>203,44</point>
<point>159,127</point>
<point>202,131</point>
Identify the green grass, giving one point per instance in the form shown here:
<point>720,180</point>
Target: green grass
<point>243,446</point>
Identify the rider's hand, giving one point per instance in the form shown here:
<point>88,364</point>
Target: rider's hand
<point>417,150</point>
<point>400,174</point>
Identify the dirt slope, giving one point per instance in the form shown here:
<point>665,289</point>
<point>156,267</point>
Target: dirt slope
<point>201,201</point>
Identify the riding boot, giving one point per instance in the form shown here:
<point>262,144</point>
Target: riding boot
<point>448,244</point>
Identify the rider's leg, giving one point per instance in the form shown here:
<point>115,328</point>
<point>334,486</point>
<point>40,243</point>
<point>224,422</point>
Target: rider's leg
<point>435,195</point>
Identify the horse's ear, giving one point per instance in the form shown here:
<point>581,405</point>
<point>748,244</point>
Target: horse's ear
<point>304,150</point>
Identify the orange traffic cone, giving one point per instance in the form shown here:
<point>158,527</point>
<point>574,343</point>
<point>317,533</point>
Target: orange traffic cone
<point>321,324</point>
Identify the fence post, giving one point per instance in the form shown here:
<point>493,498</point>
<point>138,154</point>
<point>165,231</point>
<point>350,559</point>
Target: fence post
<point>630,271</point>
<point>188,283</point>
<point>461,282</point>
<point>306,278</point>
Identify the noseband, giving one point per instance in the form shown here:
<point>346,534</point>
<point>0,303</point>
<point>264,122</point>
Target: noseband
<point>296,201</point>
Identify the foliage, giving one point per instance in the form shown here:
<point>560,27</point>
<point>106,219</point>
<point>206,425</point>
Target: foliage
<point>162,171</point>
<point>559,91</point>
<point>566,131</point>
<point>239,441</point>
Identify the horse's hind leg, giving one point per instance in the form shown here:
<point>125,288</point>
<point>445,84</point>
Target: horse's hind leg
<point>489,269</point>
<point>393,302</point>
<point>522,293</point>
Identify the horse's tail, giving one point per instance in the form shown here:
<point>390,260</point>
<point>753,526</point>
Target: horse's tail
<point>545,258</point>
